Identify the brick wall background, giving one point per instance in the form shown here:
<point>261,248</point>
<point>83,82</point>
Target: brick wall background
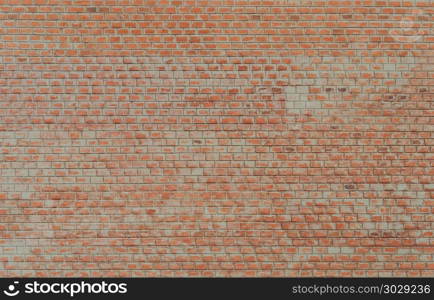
<point>216,138</point>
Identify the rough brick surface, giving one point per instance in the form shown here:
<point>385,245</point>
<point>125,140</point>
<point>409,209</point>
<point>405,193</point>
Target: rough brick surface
<point>216,138</point>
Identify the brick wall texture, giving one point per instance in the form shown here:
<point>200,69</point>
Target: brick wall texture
<point>216,138</point>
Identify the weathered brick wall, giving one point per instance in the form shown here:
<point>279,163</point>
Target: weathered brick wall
<point>216,138</point>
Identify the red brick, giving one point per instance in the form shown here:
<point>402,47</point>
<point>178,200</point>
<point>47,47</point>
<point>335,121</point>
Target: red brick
<point>216,138</point>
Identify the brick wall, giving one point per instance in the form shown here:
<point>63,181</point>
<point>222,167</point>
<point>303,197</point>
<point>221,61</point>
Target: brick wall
<point>216,138</point>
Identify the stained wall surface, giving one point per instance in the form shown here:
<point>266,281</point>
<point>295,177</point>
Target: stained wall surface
<point>216,138</point>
